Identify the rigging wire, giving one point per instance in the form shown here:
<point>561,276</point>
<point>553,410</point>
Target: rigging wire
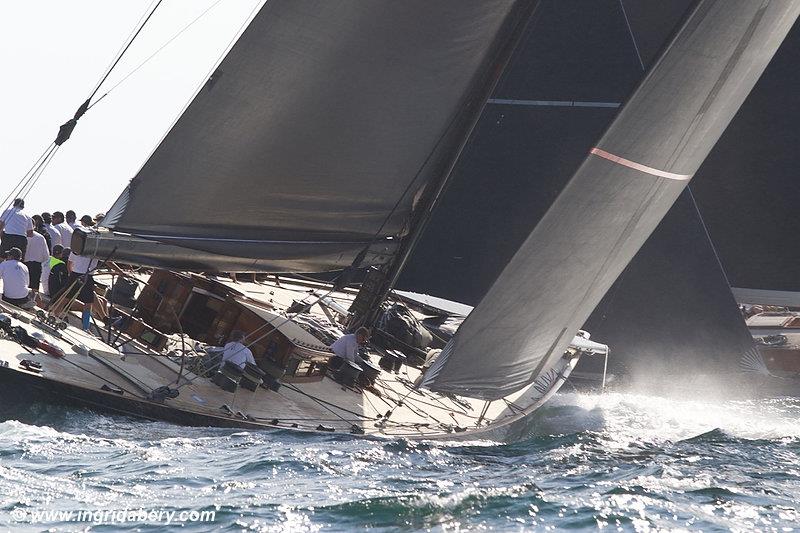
<point>19,185</point>
<point>130,34</point>
<point>122,53</point>
<point>158,50</point>
<point>633,37</point>
<point>26,183</point>
<point>39,171</point>
<point>216,63</point>
<point>708,235</point>
<point>287,319</point>
<point>321,401</point>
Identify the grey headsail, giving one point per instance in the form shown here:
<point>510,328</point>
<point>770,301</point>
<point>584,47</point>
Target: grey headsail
<point>317,135</point>
<point>622,190</point>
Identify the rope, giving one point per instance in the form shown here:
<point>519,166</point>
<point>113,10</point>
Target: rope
<point>102,378</point>
<point>54,307</point>
<point>86,276</point>
<point>285,321</point>
<point>441,406</point>
<point>321,402</point>
<point>364,391</point>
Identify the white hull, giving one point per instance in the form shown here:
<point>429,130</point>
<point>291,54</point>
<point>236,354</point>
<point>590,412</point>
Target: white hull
<point>104,378</point>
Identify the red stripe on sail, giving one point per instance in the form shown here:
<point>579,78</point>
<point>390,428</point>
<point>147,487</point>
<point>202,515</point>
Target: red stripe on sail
<point>638,166</point>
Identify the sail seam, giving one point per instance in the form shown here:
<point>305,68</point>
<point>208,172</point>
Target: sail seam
<point>638,166</point>
<point>261,241</point>
<point>552,103</point>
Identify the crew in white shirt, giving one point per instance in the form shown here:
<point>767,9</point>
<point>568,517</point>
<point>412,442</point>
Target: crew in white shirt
<point>347,346</point>
<point>37,256</point>
<point>63,228</point>
<point>16,227</point>
<point>81,264</point>
<point>15,280</point>
<point>236,352</point>
<point>55,235</point>
<point>80,278</point>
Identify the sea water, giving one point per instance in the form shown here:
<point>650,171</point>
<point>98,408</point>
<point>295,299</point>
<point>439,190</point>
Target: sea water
<point>611,461</point>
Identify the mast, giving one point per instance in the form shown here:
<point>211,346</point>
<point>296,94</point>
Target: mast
<point>380,281</point>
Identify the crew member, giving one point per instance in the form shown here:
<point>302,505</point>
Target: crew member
<point>71,217</point>
<point>80,286</point>
<point>55,235</point>
<point>38,227</point>
<point>347,346</point>
<point>16,227</point>
<point>15,280</point>
<point>80,273</point>
<point>236,352</point>
<point>64,229</point>
<point>57,279</point>
<point>37,257</point>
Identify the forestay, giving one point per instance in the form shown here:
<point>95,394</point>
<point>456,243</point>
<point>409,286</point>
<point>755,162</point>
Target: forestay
<point>615,200</point>
<point>318,135</point>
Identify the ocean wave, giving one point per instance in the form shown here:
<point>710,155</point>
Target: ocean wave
<point>624,460</point>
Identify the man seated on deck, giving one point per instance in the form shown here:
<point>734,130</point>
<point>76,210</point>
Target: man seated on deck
<point>236,352</point>
<point>15,278</point>
<point>347,346</point>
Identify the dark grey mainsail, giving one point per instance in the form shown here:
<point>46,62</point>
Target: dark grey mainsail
<point>323,129</point>
<point>615,200</point>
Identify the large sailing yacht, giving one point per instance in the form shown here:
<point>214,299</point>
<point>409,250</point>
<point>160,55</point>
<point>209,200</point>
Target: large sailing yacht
<point>322,142</point>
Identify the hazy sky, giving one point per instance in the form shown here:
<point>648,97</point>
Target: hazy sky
<point>53,54</point>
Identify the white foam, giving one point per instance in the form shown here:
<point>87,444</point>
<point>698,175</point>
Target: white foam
<point>636,417</point>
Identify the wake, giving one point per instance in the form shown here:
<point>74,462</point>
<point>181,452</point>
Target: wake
<point>628,417</point>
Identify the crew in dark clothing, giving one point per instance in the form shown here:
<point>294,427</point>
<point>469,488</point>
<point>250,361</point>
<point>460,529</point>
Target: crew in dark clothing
<point>38,227</point>
<point>71,219</point>
<point>58,270</point>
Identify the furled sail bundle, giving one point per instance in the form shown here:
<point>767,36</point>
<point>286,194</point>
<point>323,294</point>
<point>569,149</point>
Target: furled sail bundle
<point>614,201</point>
<point>322,131</point>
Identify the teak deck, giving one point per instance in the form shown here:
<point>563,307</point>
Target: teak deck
<point>323,405</point>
